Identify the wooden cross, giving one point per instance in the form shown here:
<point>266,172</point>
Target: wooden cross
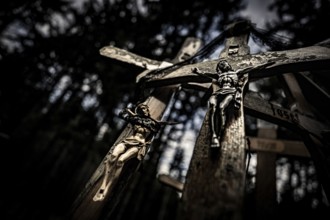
<point>214,188</point>
<point>90,205</point>
<point>214,185</point>
<point>224,172</point>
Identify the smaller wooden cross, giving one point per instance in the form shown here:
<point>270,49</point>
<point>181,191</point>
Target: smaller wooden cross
<point>91,202</point>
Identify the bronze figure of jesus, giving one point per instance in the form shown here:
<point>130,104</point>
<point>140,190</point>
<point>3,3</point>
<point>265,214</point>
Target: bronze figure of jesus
<point>132,146</point>
<point>135,145</point>
<point>227,86</point>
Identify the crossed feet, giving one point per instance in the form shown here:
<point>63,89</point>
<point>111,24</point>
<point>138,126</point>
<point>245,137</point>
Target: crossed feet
<point>215,143</point>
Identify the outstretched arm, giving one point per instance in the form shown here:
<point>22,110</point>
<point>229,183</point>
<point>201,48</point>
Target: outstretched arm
<point>203,74</point>
<point>126,113</point>
<point>250,69</point>
<point>169,122</point>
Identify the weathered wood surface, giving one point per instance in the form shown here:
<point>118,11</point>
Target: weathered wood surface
<point>319,91</point>
<point>266,178</point>
<point>258,107</point>
<point>302,59</point>
<point>191,45</point>
<point>295,92</point>
<point>314,90</point>
<point>256,144</point>
<point>131,58</point>
<point>310,58</point>
<point>319,144</point>
<point>282,147</point>
<point>214,186</point>
<point>170,181</point>
<point>84,208</point>
<point>215,181</point>
<point>89,209</point>
<point>311,131</point>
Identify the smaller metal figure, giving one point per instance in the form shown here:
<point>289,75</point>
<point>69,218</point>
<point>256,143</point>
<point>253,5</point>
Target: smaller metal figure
<point>135,145</point>
<point>226,90</point>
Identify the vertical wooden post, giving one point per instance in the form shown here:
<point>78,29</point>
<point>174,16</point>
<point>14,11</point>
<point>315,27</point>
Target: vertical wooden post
<point>294,92</point>
<point>266,178</point>
<point>214,187</point>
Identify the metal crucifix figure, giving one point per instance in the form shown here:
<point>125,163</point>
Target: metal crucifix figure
<point>134,145</point>
<point>226,97</point>
<point>226,90</point>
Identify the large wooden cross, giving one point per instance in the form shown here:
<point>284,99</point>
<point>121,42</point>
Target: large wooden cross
<point>214,185</point>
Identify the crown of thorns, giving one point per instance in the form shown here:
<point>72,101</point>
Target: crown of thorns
<point>141,106</point>
<point>223,63</point>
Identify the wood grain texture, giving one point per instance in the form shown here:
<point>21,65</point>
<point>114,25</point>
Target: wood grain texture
<point>215,180</point>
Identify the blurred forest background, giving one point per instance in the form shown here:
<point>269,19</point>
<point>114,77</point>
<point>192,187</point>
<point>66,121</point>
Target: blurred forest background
<point>59,98</point>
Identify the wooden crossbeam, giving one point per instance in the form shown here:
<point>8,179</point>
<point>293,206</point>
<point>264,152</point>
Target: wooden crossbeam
<point>302,59</point>
<point>282,147</point>
<point>315,95</point>
<point>256,144</point>
<point>258,107</point>
<point>131,58</point>
<point>311,131</point>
